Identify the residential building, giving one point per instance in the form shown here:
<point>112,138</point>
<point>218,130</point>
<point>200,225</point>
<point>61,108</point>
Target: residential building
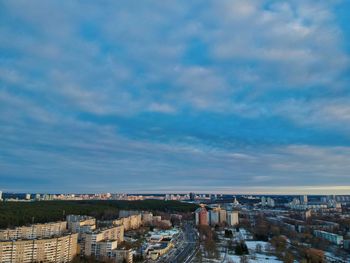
<point>214,217</point>
<point>331,237</point>
<point>147,218</point>
<point>202,216</point>
<point>34,231</point>
<point>121,255</point>
<point>232,218</point>
<point>222,216</point>
<point>56,249</point>
<point>81,224</point>
<point>303,199</point>
<point>100,243</point>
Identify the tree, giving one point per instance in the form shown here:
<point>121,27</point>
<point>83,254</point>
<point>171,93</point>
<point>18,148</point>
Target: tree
<point>228,233</point>
<point>279,243</point>
<point>288,258</point>
<point>244,259</point>
<point>241,249</point>
<point>314,255</point>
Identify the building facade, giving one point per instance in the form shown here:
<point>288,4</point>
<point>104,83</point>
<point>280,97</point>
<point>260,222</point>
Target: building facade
<point>59,249</point>
<point>202,216</point>
<point>100,242</point>
<point>80,224</point>
<point>34,231</point>
<point>331,237</point>
<point>232,218</point>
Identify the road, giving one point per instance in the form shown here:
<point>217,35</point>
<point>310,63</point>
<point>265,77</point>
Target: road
<point>186,247</point>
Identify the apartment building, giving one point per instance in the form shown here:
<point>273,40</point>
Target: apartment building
<point>34,231</point>
<point>100,243</point>
<point>331,237</point>
<point>80,224</point>
<point>58,249</point>
<point>232,218</point>
<point>129,223</point>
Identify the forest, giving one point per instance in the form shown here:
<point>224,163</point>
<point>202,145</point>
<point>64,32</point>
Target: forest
<point>22,213</point>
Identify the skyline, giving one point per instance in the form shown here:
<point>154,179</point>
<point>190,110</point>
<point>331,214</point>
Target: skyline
<point>207,96</point>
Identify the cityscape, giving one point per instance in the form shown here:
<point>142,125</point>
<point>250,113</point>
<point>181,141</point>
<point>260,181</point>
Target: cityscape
<point>171,131</point>
<point>189,227</point>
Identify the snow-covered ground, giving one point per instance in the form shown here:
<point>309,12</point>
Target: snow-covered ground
<point>259,258</point>
<point>253,256</point>
<point>264,255</point>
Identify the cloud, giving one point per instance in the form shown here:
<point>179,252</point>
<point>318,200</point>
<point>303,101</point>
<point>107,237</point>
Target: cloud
<point>213,93</point>
<point>162,108</point>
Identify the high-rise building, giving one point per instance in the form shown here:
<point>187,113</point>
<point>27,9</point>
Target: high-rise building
<point>0,195</point>
<point>303,199</point>
<point>202,216</point>
<point>232,218</point>
<point>147,218</point>
<point>222,216</point>
<point>34,231</point>
<point>192,196</point>
<point>270,202</point>
<point>54,249</point>
<point>102,242</point>
<point>80,224</point>
<point>214,217</point>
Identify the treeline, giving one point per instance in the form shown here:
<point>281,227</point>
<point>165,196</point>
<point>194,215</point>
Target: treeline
<point>23,213</point>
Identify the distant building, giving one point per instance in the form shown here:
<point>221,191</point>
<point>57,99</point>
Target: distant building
<point>214,217</point>
<point>331,237</point>
<point>202,216</point>
<point>222,216</point>
<point>192,196</point>
<point>232,218</point>
<point>80,224</point>
<point>0,195</point>
<point>27,197</point>
<point>303,199</point>
<point>130,222</point>
<point>147,218</point>
<point>267,201</point>
<point>235,202</point>
<point>270,202</point>
<point>307,214</point>
<point>213,197</point>
<point>347,244</point>
<point>126,213</point>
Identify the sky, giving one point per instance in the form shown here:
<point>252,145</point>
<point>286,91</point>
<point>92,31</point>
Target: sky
<point>239,96</point>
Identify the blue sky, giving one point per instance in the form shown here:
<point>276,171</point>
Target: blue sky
<point>175,96</point>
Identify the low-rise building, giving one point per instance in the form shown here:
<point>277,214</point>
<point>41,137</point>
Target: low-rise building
<point>331,237</point>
